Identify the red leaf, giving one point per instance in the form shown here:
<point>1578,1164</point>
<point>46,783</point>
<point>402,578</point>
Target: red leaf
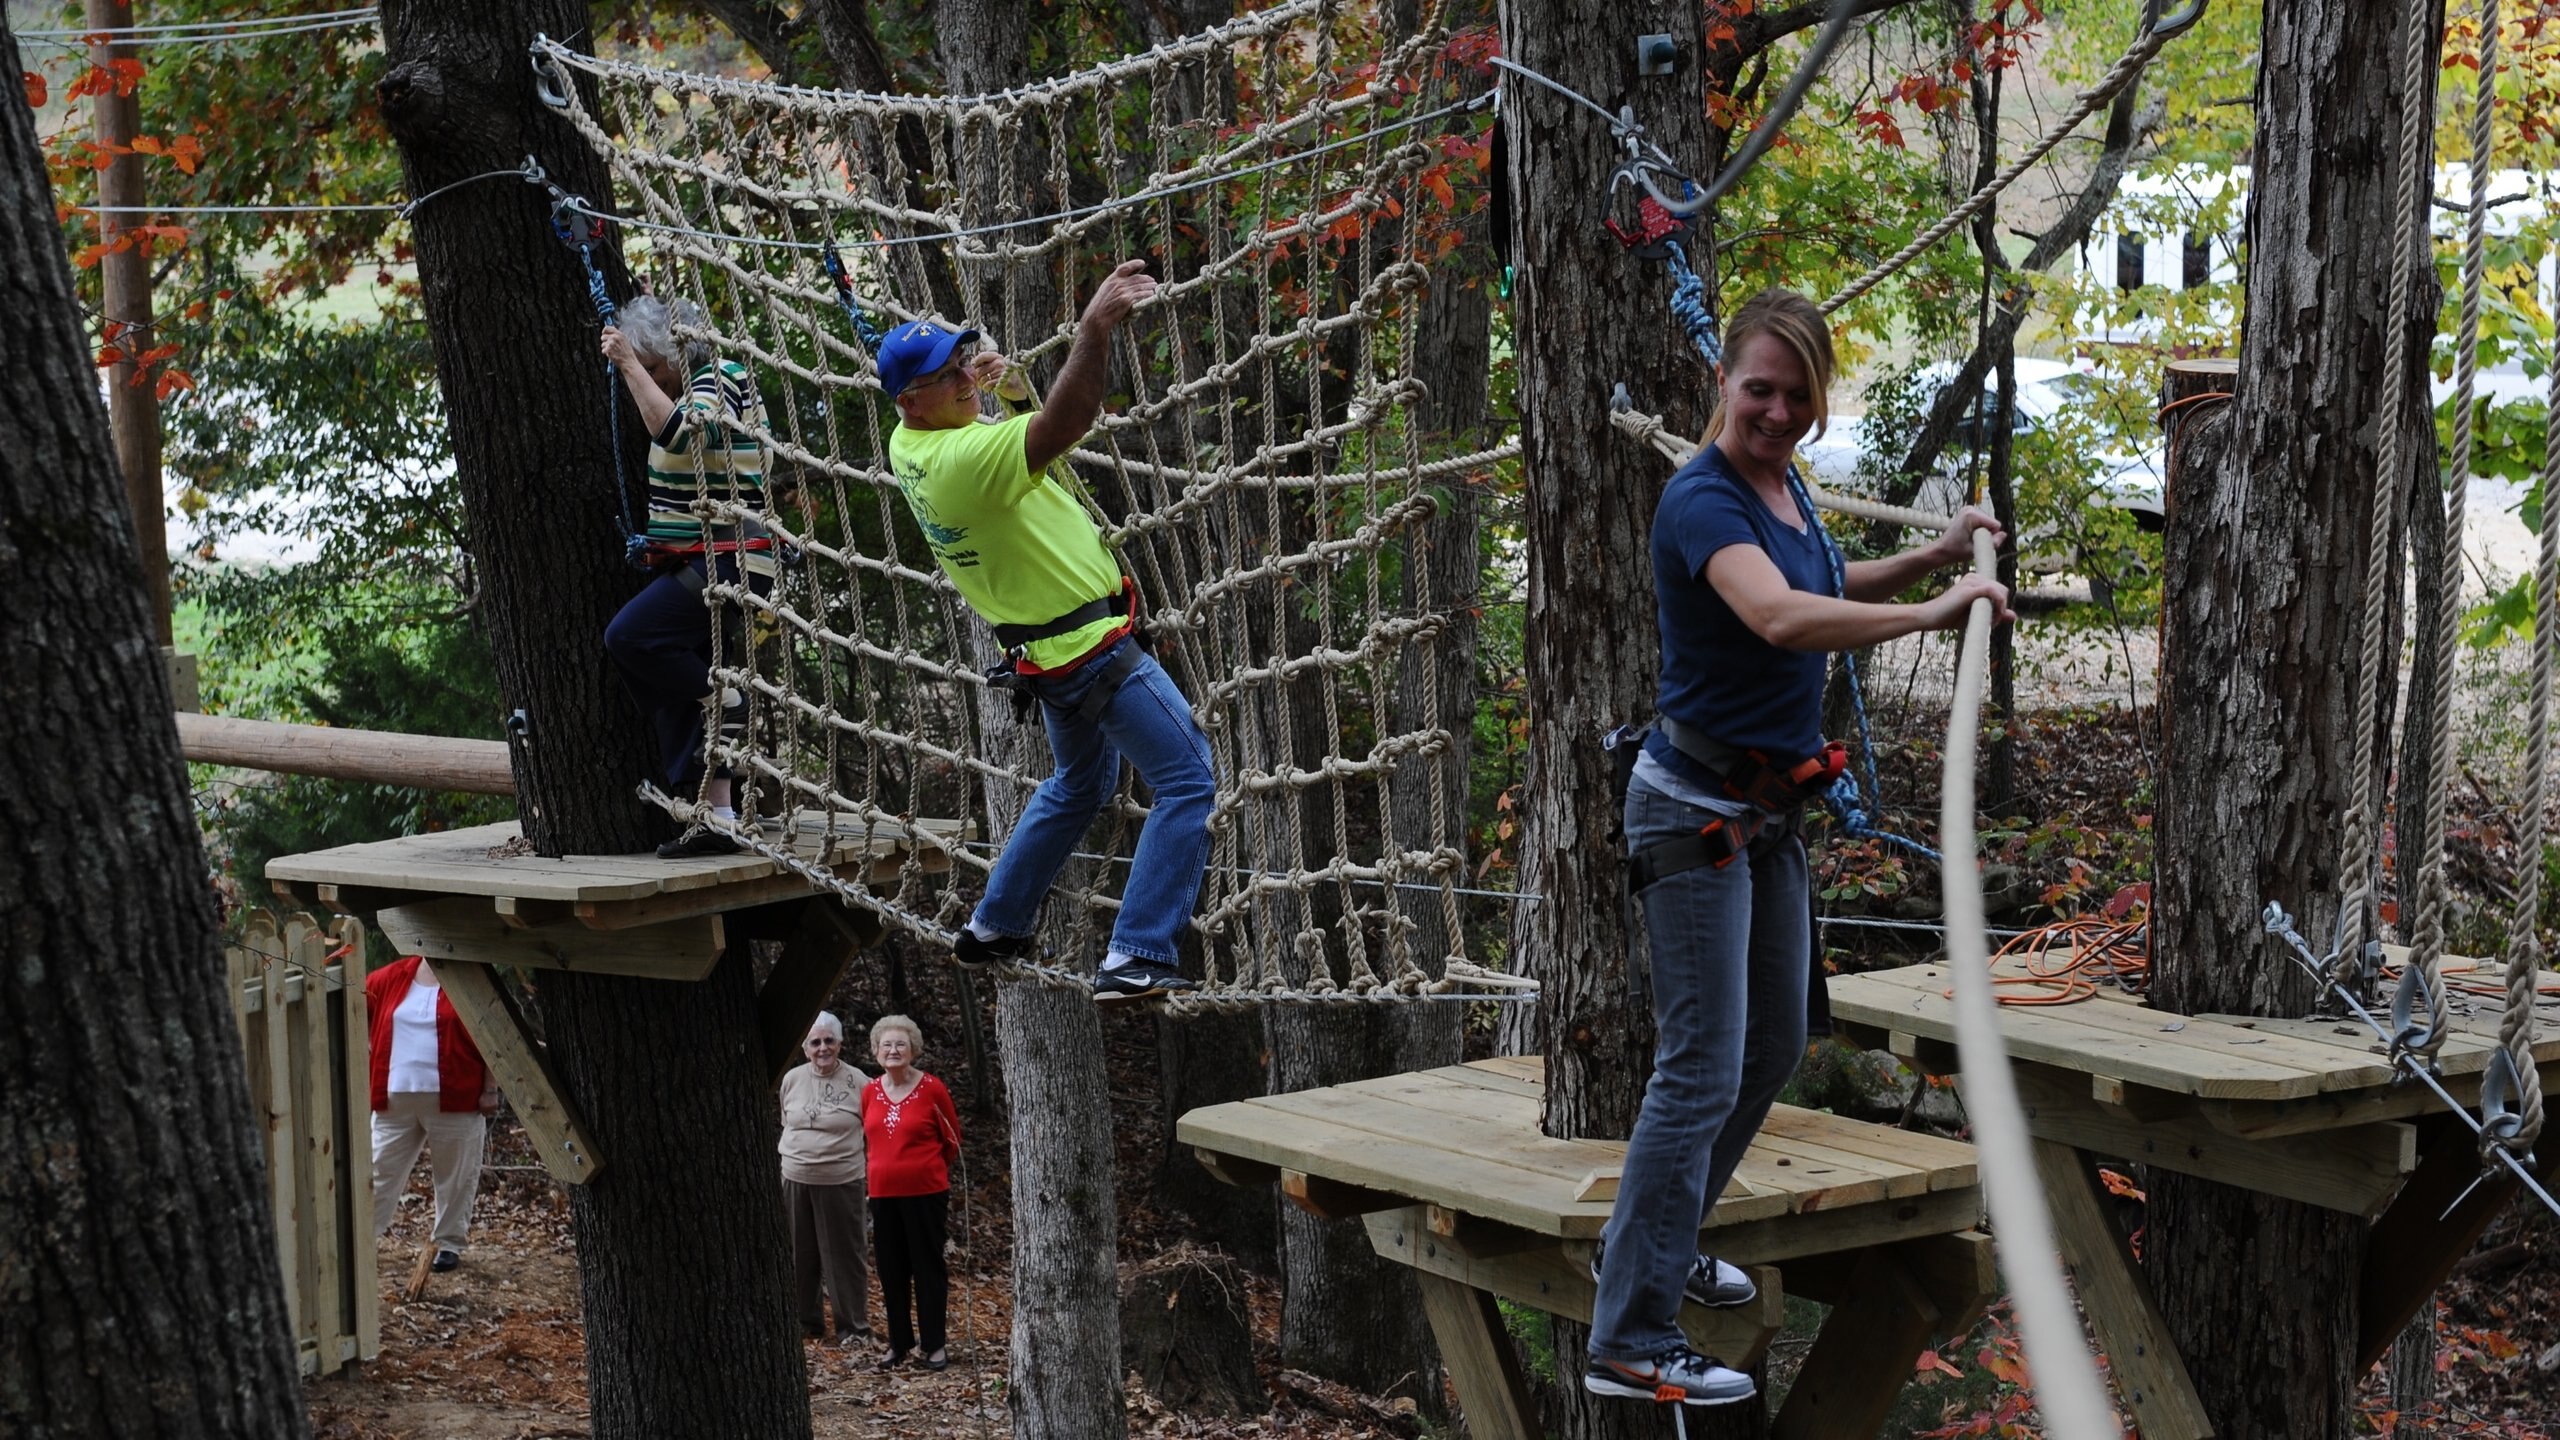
<point>36,90</point>
<point>110,355</point>
<point>173,380</point>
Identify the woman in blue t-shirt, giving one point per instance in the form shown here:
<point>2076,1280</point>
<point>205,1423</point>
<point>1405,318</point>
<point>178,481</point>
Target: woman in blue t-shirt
<point>1748,612</point>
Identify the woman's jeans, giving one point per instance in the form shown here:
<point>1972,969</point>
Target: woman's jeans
<point>1731,960</point>
<point>1149,723</point>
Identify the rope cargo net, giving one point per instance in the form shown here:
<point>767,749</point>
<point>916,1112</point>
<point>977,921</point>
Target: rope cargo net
<point>1266,485</point>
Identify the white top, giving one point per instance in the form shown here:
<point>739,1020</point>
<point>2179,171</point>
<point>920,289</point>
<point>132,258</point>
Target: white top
<point>413,1042</point>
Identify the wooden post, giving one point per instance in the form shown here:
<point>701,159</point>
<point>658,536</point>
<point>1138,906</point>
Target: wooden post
<point>362,1281</point>
<point>428,762</point>
<point>2148,1371</point>
<point>1861,1359</point>
<point>2419,1240</point>
<point>133,410</point>
<point>521,1071</point>
<point>812,961</point>
<point>1492,1392</point>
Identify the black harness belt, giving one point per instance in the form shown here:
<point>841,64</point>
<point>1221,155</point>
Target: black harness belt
<point>1775,793</point>
<point>1123,602</point>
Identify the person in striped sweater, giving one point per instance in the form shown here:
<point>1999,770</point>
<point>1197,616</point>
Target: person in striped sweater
<point>704,418</point>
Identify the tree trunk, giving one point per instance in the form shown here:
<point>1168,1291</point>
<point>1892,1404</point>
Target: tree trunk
<point>1587,316</point>
<point>1065,1378</point>
<point>139,1289</point>
<point>2272,499</point>
<point>680,1240</point>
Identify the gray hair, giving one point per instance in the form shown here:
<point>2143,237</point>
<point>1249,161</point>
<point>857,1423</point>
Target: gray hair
<point>649,324</point>
<point>827,1023</point>
<point>915,1035</point>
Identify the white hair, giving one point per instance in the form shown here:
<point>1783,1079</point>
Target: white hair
<point>827,1024</point>
<point>649,324</point>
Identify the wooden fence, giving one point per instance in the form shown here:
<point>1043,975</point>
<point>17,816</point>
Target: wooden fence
<point>297,989</point>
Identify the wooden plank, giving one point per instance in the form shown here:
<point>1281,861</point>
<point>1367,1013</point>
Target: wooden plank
<point>2149,1374</point>
<point>2351,1170</point>
<point>1760,1242</point>
<point>2131,1044</point>
<point>1947,1163</point>
<point>1793,1157</point>
<point>265,939</point>
<point>1927,1054</point>
<point>468,929</point>
<point>1493,1394</point>
<point>1861,1359</point>
<point>362,900</point>
<point>521,1071</point>
<point>1252,1130</point>
<point>1556,1278</point>
<point>2339,1110</point>
<point>308,947</point>
<point>822,944</point>
<point>2418,1241</point>
<point>2466,1050</point>
<point>1512,1112</point>
<point>1332,1199</point>
<point>363,1280</point>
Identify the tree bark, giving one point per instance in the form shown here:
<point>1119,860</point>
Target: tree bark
<point>681,1246</point>
<point>1586,317</point>
<point>2272,499</point>
<point>140,1294</point>
<point>1065,1379</point>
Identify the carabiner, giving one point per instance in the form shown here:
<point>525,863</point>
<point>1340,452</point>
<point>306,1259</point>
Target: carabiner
<point>550,82</point>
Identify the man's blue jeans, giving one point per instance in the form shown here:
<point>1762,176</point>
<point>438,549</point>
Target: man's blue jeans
<point>1148,723</point>
<point>1731,959</point>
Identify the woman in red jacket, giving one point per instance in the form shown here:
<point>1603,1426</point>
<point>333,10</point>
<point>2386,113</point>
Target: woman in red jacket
<point>431,1091</point>
<point>911,1134</point>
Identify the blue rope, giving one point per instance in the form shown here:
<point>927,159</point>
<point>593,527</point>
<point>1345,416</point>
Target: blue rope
<point>635,545</point>
<point>1846,799</point>
<point>873,336</point>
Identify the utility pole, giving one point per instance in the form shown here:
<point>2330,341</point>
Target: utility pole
<point>133,409</point>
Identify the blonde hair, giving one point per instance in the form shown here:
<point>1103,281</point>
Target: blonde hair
<point>1798,324</point>
<point>915,1036</point>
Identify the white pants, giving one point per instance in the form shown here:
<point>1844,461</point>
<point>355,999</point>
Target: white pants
<point>453,1143</point>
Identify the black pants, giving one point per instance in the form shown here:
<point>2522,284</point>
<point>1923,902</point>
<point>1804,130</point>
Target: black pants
<point>907,1235</point>
<point>661,641</point>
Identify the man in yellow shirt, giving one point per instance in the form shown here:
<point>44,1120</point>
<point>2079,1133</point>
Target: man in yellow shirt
<point>1009,525</point>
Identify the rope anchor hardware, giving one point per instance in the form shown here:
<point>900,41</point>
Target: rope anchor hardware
<point>550,82</point>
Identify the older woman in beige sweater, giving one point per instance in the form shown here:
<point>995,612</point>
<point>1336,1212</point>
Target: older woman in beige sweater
<point>823,1175</point>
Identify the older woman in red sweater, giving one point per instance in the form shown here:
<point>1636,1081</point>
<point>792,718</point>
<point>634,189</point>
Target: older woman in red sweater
<point>911,1135</point>
<point>431,1092</point>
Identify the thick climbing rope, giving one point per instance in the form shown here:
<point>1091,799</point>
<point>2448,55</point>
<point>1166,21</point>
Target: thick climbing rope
<point>2353,953</point>
<point>2524,945</point>
<point>2426,941</point>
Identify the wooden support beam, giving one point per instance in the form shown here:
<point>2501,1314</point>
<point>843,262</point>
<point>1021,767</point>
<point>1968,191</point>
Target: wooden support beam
<point>2149,1374</point>
<point>466,928</point>
<point>1234,1170</point>
<point>812,961</point>
<point>1493,1394</point>
<point>520,1070</point>
<point>2140,1103</point>
<point>2417,1242</point>
<point>360,901</point>
<point>529,914</point>
<point>1862,1358</point>
<point>1924,1053</point>
<point>1784,1237</point>
<point>1334,1200</point>
<point>1600,1187</point>
<point>424,762</point>
<point>2339,1110</point>
<point>2356,1170</point>
<point>1555,1276</point>
<point>1475,1236</point>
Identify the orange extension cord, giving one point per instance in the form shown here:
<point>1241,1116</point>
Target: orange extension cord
<point>2065,963</point>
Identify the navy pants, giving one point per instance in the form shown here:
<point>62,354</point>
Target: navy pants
<point>661,641</point>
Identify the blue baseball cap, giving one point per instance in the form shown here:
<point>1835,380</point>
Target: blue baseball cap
<point>919,348</point>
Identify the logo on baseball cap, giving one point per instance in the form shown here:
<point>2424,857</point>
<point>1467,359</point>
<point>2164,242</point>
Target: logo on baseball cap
<point>917,349</point>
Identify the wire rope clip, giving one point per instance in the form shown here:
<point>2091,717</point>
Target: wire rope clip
<point>2501,1123</point>
<point>550,82</point>
<point>2411,1031</point>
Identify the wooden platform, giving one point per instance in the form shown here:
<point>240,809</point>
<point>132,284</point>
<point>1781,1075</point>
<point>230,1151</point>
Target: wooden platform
<point>2304,1109</point>
<point>480,896</point>
<point>1454,1179</point>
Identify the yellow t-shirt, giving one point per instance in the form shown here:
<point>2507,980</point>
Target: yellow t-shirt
<point>1019,545</point>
